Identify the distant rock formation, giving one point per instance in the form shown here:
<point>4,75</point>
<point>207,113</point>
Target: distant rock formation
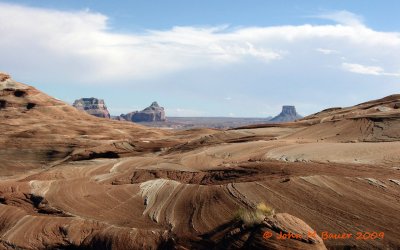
<point>92,106</point>
<point>288,114</point>
<point>153,113</point>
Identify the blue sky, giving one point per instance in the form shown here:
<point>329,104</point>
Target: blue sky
<point>205,58</point>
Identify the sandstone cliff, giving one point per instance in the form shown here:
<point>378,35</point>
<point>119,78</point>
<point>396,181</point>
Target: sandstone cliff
<point>92,106</point>
<point>153,113</point>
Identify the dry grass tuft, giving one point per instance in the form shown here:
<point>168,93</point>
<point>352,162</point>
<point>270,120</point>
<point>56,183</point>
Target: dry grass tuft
<point>254,216</point>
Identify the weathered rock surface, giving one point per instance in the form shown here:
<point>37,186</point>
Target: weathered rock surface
<point>4,76</point>
<point>162,189</point>
<point>265,234</point>
<point>288,114</point>
<point>92,106</point>
<point>37,130</point>
<point>153,113</point>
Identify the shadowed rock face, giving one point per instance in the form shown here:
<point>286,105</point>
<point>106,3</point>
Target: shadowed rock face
<point>92,106</point>
<point>288,114</point>
<point>153,113</point>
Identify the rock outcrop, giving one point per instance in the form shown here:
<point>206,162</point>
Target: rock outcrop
<point>92,106</point>
<point>280,231</point>
<point>4,76</point>
<point>38,130</point>
<point>288,114</point>
<point>153,113</point>
<point>13,94</point>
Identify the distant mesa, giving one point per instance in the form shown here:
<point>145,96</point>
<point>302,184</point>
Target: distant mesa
<point>153,113</point>
<point>288,114</point>
<point>92,106</point>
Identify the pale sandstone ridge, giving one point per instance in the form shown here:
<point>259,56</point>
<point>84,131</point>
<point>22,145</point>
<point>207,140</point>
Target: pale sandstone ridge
<point>4,76</point>
<point>92,106</point>
<point>38,130</point>
<point>153,113</point>
<point>71,180</point>
<point>373,121</point>
<point>288,114</point>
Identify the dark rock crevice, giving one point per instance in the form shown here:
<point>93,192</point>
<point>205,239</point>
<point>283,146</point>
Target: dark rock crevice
<point>19,93</point>
<point>30,105</point>
<point>3,104</point>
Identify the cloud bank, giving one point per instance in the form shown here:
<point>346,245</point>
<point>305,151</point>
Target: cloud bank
<point>79,47</point>
<point>83,43</point>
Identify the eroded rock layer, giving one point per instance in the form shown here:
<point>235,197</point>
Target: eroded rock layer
<point>153,113</point>
<point>70,181</point>
<point>92,106</point>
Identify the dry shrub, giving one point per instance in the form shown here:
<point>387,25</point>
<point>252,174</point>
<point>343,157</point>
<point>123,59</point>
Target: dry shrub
<point>256,215</point>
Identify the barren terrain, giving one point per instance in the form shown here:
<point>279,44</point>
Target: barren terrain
<point>69,180</point>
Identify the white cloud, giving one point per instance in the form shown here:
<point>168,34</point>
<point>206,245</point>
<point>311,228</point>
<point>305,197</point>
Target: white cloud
<point>79,46</point>
<point>362,69</point>
<point>326,51</point>
<point>84,42</point>
<point>366,70</point>
<point>343,17</point>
